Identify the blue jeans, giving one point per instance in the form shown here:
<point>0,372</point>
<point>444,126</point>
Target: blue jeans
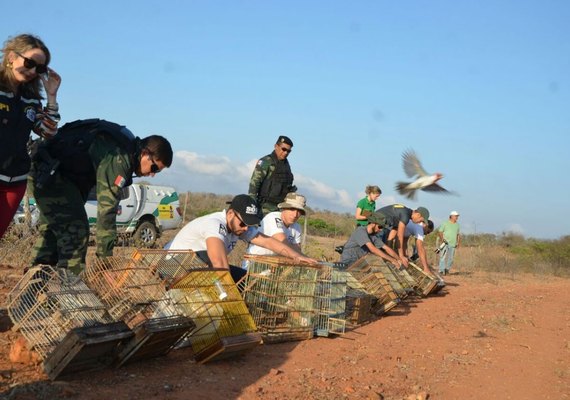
<point>446,259</point>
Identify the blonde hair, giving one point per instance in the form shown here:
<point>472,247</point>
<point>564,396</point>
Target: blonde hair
<point>21,44</point>
<point>372,189</point>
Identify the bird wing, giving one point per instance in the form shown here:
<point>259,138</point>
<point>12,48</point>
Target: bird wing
<point>412,165</point>
<point>434,187</point>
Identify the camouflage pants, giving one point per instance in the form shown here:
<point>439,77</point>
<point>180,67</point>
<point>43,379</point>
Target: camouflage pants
<point>63,225</point>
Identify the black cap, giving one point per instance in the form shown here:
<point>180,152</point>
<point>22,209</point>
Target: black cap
<point>284,139</point>
<point>247,209</point>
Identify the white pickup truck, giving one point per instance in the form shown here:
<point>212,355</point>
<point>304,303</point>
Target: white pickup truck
<point>143,212</point>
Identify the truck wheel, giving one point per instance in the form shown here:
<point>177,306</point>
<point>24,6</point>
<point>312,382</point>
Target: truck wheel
<point>145,235</point>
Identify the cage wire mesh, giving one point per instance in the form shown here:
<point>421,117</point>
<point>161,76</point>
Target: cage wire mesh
<point>425,283</point>
<point>280,296</point>
<point>440,282</point>
<point>330,300</point>
<point>375,283</point>
<point>404,277</point>
<point>45,305</point>
<point>169,265</point>
<point>397,283</point>
<point>132,292</point>
<point>224,326</point>
<point>358,302</point>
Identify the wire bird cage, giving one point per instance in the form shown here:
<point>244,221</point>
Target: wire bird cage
<point>407,281</point>
<point>63,321</point>
<point>358,302</point>
<point>330,300</point>
<point>375,283</point>
<point>224,327</point>
<point>425,283</point>
<point>398,284</point>
<point>134,294</point>
<point>440,283</point>
<point>280,296</point>
<point>169,265</point>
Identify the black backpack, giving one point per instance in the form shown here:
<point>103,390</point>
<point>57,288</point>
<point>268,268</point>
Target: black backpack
<point>67,152</point>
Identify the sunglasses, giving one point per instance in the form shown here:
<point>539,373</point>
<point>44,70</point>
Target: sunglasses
<point>241,223</point>
<point>154,169</point>
<point>31,64</point>
<point>286,149</point>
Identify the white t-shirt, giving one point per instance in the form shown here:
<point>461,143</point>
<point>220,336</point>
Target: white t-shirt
<point>193,236</point>
<point>273,224</point>
<point>413,229</point>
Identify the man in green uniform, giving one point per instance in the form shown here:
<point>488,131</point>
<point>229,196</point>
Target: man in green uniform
<point>84,154</point>
<point>272,178</point>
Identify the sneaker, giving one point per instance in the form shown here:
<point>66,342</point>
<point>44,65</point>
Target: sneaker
<point>446,272</point>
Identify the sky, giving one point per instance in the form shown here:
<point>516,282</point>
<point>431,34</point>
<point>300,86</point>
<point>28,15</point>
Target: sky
<point>479,89</point>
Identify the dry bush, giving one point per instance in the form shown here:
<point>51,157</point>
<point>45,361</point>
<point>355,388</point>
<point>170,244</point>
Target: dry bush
<point>17,244</point>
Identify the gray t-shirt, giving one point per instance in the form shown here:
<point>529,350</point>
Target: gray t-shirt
<point>355,247</point>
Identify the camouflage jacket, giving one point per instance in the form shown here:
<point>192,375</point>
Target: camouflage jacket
<point>114,168</point>
<point>270,182</point>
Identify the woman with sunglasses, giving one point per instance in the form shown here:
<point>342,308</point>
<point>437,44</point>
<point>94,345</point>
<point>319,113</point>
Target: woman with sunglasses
<point>23,72</point>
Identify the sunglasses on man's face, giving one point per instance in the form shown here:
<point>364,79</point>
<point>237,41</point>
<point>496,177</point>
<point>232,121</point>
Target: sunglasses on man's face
<point>286,149</point>
<point>31,64</point>
<point>241,223</point>
<point>154,169</point>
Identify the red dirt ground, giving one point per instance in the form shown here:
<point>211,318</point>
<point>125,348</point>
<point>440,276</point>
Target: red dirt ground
<point>485,336</point>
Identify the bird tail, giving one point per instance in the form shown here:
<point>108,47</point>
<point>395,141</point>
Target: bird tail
<point>402,188</point>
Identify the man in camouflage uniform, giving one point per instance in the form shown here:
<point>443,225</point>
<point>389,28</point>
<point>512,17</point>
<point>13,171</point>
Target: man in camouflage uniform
<point>272,178</point>
<point>84,154</point>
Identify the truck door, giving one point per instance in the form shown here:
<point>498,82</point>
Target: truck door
<point>128,205</point>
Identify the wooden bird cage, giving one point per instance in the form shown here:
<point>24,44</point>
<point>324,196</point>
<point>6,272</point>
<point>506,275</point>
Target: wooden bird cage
<point>330,300</point>
<point>224,327</point>
<point>358,302</point>
<point>134,294</point>
<point>375,283</point>
<point>425,283</point>
<point>280,295</point>
<point>64,321</point>
<point>169,265</point>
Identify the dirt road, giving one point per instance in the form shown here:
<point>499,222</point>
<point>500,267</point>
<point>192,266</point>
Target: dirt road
<point>486,336</point>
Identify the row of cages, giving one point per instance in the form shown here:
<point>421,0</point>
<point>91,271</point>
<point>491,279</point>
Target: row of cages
<point>125,309</point>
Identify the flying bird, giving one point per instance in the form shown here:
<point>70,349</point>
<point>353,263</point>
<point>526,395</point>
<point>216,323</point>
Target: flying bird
<point>424,181</point>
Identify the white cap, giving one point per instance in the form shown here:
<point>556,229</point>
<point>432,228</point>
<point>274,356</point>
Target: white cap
<point>453,213</point>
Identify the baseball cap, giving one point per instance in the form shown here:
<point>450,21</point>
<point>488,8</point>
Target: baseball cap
<point>453,213</point>
<point>295,201</point>
<point>284,139</point>
<point>247,209</point>
<point>377,218</point>
<point>424,212</point>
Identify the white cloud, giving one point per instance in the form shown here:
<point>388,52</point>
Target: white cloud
<point>219,174</point>
<point>322,195</point>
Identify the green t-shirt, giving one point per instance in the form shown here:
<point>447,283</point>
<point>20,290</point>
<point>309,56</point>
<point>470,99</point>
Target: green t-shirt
<point>365,205</point>
<point>450,232</point>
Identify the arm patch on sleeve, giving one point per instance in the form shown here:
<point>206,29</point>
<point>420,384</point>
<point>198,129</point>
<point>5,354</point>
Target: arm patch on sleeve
<point>120,181</point>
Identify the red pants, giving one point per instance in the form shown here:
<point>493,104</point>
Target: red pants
<point>10,197</point>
